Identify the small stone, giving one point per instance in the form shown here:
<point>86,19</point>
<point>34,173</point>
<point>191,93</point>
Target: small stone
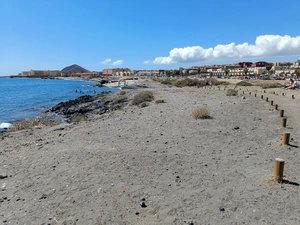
<point>222,209</point>
<point>143,204</point>
<point>3,176</point>
<point>137,213</point>
<point>236,128</point>
<point>143,199</point>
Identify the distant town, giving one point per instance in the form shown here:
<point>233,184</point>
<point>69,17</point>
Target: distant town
<point>257,70</point>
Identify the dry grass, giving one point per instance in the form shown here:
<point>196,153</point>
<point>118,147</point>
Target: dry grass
<point>102,95</point>
<point>40,121</point>
<point>243,83</point>
<point>119,99</point>
<point>79,119</point>
<point>270,85</point>
<point>122,93</point>
<point>201,113</point>
<point>144,96</point>
<point>144,104</point>
<point>223,82</point>
<point>160,101</point>
<point>231,92</point>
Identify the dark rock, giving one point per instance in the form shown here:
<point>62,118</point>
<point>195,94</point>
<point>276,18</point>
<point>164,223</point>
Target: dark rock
<point>143,204</point>
<point>137,213</point>
<point>236,128</point>
<point>87,104</point>
<point>44,196</point>
<point>3,176</point>
<point>143,199</point>
<point>221,209</point>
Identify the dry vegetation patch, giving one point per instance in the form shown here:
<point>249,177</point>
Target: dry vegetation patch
<point>201,113</point>
<point>160,101</point>
<point>144,96</point>
<point>243,83</point>
<point>119,99</point>
<point>40,121</point>
<point>270,85</point>
<point>122,93</point>
<point>231,92</point>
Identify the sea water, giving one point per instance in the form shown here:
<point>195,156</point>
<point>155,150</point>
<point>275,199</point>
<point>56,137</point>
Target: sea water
<point>22,98</point>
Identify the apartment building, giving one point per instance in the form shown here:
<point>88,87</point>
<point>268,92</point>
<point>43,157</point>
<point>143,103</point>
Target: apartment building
<point>117,72</point>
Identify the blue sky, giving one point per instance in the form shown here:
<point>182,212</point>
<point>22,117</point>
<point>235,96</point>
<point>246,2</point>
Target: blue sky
<point>145,34</point>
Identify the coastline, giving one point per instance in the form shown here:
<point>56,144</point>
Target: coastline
<point>184,170</point>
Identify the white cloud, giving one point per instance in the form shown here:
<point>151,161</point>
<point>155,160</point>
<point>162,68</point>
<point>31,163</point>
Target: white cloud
<point>147,61</point>
<point>265,46</point>
<point>106,61</point>
<point>118,62</point>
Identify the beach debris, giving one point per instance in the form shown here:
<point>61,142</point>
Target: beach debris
<point>143,204</point>
<point>221,209</point>
<point>191,223</point>
<point>137,213</point>
<point>243,97</point>
<point>3,176</point>
<point>5,125</point>
<point>236,128</point>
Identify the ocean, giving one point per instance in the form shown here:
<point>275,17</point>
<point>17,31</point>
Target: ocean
<point>22,98</point>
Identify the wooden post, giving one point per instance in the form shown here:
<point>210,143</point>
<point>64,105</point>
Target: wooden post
<point>281,113</point>
<point>267,99</point>
<point>276,107</point>
<point>284,122</point>
<point>249,93</point>
<point>271,102</point>
<point>286,138</point>
<point>262,97</point>
<point>254,95</point>
<point>264,91</point>
<point>293,97</point>
<point>282,94</point>
<point>278,169</point>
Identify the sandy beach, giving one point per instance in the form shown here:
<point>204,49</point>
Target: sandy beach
<point>157,164</point>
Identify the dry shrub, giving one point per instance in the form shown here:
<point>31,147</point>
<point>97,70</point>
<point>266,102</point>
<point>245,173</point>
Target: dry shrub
<point>144,104</point>
<point>223,82</point>
<point>122,93</point>
<point>243,83</point>
<point>189,82</point>
<point>143,96</point>
<point>213,81</point>
<point>270,85</point>
<point>40,121</point>
<point>78,119</point>
<point>119,99</point>
<point>166,81</point>
<point>160,101</point>
<point>231,92</point>
<point>201,113</point>
<point>102,95</point>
